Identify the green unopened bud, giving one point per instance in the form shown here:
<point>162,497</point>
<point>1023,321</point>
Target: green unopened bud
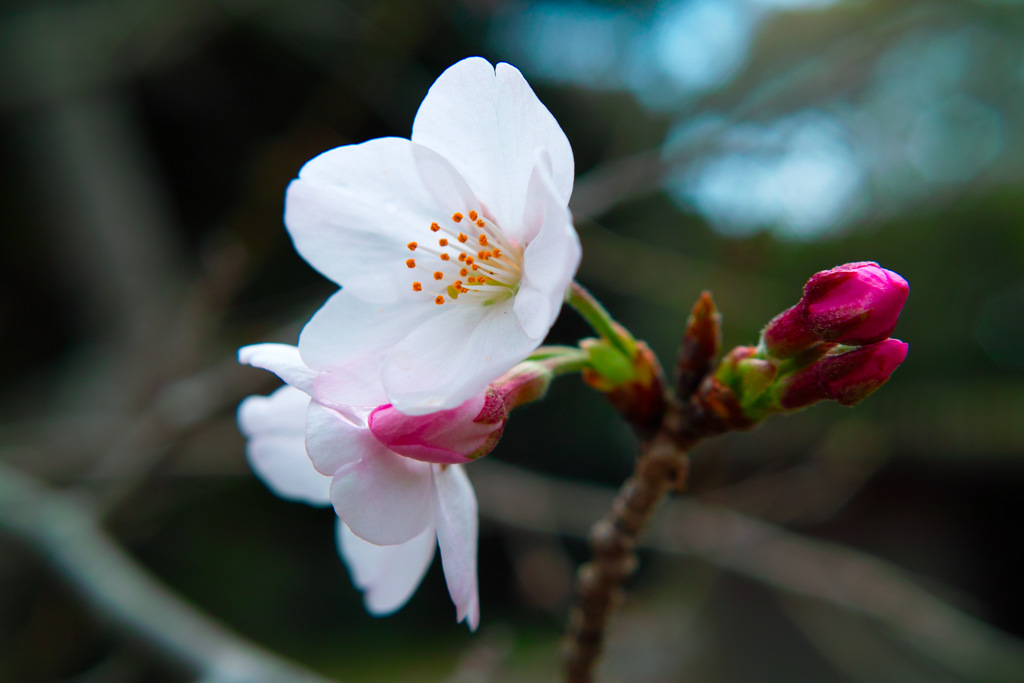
<point>727,371</point>
<point>607,366</point>
<point>748,379</point>
<point>755,376</point>
<point>635,386</point>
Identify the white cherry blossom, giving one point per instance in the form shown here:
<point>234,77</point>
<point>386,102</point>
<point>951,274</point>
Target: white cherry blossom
<point>453,249</point>
<point>393,511</point>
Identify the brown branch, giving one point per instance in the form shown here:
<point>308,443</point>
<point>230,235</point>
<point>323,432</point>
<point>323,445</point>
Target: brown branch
<point>66,533</point>
<point>670,426</point>
<point>661,467</point>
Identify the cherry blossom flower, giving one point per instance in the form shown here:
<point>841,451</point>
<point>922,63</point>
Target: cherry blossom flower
<point>454,249</point>
<point>395,491</point>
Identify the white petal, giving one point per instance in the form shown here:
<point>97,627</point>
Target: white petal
<point>283,413</point>
<point>334,439</point>
<point>276,449</point>
<point>444,182</point>
<point>281,359</point>
<point>488,122</point>
<point>384,498</point>
<point>345,248</point>
<point>455,516</point>
<point>347,339</point>
<point>551,258</point>
<point>387,575</point>
<point>352,209</point>
<point>448,359</point>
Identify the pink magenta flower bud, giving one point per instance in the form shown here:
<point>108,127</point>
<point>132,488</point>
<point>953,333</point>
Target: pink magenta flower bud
<point>855,304</point>
<point>448,437</point>
<point>466,432</point>
<point>844,377</point>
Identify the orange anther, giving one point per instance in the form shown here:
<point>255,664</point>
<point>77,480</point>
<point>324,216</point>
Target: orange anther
<point>471,280</point>
<point>480,223</point>
<point>456,216</point>
<point>457,284</point>
<point>473,215</point>
<point>443,242</point>
<point>462,257</point>
<point>482,239</point>
<point>410,262</point>
<point>417,287</point>
<point>445,257</point>
<point>439,300</point>
<point>412,246</point>
<point>496,253</point>
<point>434,227</point>
<point>462,238</point>
<point>438,275</point>
<point>481,254</point>
<point>464,272</point>
<point>476,267</point>
<point>469,260</point>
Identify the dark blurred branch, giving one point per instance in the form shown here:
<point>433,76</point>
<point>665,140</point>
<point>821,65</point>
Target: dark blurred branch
<point>837,575</point>
<point>112,235</point>
<point>858,649</point>
<point>97,44</point>
<point>65,532</point>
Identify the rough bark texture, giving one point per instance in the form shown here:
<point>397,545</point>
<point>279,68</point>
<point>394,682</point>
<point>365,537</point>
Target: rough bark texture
<point>697,409</point>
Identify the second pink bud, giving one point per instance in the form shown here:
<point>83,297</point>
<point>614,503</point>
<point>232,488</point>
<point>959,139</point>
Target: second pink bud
<point>466,432</point>
<point>448,437</point>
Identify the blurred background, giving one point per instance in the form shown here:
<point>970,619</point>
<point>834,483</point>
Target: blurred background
<point>731,145</point>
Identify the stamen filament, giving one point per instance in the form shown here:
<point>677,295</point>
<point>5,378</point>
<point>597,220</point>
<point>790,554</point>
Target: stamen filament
<point>482,250</point>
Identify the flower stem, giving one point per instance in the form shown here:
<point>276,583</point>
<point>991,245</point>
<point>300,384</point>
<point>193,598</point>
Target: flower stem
<point>599,318</point>
<point>560,360</point>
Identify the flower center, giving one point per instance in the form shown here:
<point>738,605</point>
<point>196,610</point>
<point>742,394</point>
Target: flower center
<point>472,262</point>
